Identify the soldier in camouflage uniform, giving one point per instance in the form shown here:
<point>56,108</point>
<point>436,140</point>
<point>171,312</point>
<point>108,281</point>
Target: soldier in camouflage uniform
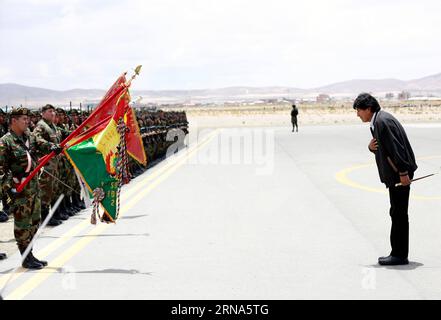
<point>76,198</point>
<point>47,139</point>
<point>3,126</point>
<point>33,120</point>
<point>66,170</point>
<point>3,130</point>
<point>16,162</point>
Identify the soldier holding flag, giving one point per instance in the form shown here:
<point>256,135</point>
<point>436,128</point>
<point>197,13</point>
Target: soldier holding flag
<point>47,139</point>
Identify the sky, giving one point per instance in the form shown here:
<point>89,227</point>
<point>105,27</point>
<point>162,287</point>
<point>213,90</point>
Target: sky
<point>201,44</point>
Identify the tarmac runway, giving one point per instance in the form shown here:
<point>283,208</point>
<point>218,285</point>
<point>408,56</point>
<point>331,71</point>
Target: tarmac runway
<point>251,213</point>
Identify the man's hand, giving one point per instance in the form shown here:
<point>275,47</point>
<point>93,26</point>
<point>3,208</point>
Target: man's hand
<point>405,180</point>
<point>373,145</point>
<point>11,194</point>
<point>56,148</point>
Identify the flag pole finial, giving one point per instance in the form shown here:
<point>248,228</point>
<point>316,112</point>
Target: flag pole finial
<point>137,70</point>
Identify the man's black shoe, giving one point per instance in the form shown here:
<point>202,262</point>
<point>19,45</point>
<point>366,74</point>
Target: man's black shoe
<point>28,263</point>
<point>392,261</point>
<point>3,216</point>
<point>3,256</point>
<point>43,262</point>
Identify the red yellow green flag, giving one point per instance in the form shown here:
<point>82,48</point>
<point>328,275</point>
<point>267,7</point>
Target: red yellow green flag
<point>98,153</point>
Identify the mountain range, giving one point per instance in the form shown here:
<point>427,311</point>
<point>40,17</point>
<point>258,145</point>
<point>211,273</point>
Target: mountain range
<point>14,94</point>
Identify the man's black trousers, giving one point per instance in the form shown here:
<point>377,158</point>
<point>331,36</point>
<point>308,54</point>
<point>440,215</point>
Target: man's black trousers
<point>399,234</point>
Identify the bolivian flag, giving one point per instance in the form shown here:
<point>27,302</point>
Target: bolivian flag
<point>93,148</point>
<point>95,154</point>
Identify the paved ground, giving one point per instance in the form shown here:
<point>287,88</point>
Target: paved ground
<point>303,217</point>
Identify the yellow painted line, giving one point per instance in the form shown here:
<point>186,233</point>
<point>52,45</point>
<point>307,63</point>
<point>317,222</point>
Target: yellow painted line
<point>342,177</point>
<point>42,275</point>
<point>54,245</point>
<point>156,173</point>
<point>170,163</point>
<point>37,279</point>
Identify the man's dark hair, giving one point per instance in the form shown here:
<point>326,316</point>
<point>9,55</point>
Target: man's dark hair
<point>365,101</point>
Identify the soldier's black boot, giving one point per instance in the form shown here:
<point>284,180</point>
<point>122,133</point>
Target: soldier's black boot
<point>60,214</point>
<point>72,205</point>
<point>3,216</point>
<point>29,263</point>
<point>76,201</point>
<point>5,205</point>
<point>53,222</point>
<point>43,262</point>
<point>80,202</point>
<point>67,209</point>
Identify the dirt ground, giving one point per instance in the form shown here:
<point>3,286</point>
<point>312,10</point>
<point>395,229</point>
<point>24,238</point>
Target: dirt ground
<point>280,116</point>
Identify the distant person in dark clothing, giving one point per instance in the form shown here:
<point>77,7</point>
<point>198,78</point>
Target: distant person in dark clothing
<point>396,164</point>
<point>294,114</point>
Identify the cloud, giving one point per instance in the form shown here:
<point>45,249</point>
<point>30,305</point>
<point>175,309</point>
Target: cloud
<point>196,44</point>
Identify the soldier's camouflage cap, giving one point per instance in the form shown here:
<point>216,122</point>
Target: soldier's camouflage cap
<point>20,112</point>
<point>60,110</point>
<point>47,107</point>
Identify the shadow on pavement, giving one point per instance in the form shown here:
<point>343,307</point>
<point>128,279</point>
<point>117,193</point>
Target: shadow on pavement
<point>135,217</point>
<point>7,241</point>
<point>106,271</point>
<point>104,235</point>
<point>411,266</point>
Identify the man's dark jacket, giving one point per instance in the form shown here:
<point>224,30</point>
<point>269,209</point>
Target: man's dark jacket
<point>394,154</point>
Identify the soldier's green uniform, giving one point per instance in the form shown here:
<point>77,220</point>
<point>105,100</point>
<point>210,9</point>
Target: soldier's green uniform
<point>16,163</point>
<point>76,199</point>
<point>47,137</point>
<point>3,130</point>
<point>62,169</point>
<point>66,170</point>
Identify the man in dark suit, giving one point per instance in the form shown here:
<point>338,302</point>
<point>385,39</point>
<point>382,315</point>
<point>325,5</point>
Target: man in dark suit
<point>396,164</point>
